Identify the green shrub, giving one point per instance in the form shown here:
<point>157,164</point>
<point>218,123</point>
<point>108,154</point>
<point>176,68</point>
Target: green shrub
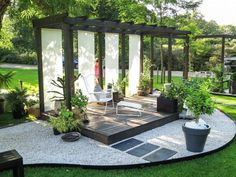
<point>233,77</point>
<point>198,98</point>
<point>65,122</point>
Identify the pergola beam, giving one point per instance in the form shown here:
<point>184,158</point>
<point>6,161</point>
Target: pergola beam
<point>216,36</point>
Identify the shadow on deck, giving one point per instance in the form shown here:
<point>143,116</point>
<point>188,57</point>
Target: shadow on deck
<point>109,128</point>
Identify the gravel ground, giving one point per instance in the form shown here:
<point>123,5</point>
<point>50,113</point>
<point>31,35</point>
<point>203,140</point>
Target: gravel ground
<point>37,144</point>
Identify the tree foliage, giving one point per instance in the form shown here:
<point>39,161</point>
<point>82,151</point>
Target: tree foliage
<point>17,39</point>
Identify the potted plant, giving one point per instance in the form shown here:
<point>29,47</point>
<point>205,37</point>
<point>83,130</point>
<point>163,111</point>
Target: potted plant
<point>143,87</point>
<point>233,83</point>
<point>171,99</point>
<point>65,121</point>
<point>80,102</point>
<point>59,94</point>
<point>198,101</point>
<point>144,81</point>
<point>17,99</point>
<point>5,80</point>
<point>118,88</point>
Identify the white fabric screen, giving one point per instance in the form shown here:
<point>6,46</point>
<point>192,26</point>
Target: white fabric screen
<point>86,54</point>
<point>111,58</point>
<point>52,63</point>
<point>134,64</point>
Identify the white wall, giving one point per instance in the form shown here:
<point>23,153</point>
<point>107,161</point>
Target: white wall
<point>134,64</point>
<point>86,59</point>
<point>111,58</point>
<point>52,63</point>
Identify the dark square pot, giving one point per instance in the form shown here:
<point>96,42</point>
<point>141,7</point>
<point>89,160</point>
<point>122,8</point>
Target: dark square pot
<point>233,87</point>
<point>166,105</point>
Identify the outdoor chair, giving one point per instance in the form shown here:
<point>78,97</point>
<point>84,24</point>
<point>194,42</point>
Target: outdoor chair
<point>98,95</point>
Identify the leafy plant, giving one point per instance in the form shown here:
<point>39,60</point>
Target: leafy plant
<point>198,98</point>
<point>79,101</point>
<point>144,81</point>
<point>65,122</point>
<point>17,97</point>
<point>176,92</point>
<point>217,85</point>
<point>233,77</point>
<point>60,83</point>
<point>17,100</point>
<point>5,79</point>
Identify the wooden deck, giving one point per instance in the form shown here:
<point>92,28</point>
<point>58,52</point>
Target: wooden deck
<point>109,128</point>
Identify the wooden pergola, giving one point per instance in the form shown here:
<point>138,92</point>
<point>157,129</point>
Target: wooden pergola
<point>222,37</point>
<point>69,24</point>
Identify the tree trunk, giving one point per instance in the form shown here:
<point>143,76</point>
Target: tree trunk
<point>3,7</point>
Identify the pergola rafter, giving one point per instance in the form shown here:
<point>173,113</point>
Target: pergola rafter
<point>69,24</point>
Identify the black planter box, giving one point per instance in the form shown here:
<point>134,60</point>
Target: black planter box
<point>166,105</point>
<point>233,87</point>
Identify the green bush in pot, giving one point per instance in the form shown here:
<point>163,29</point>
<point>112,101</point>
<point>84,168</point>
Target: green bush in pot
<point>199,102</point>
<point>17,100</point>
<point>80,102</point>
<point>65,121</point>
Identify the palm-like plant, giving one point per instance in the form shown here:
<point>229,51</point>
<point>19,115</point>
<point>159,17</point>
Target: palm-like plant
<point>17,99</point>
<point>5,79</point>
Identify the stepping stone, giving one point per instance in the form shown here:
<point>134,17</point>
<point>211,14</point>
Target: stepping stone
<point>160,155</point>
<point>143,150</point>
<point>125,145</point>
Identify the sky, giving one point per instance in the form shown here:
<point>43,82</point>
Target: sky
<point>222,11</point>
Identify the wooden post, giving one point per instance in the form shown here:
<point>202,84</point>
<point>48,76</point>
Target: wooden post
<point>169,57</point>
<point>186,58</point>
<point>68,60</point>
<point>222,62</point>
<point>152,62</point>
<point>123,60</point>
<point>38,39</point>
<point>100,54</point>
<point>141,53</point>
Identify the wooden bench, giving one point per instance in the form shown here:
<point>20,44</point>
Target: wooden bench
<point>12,160</point>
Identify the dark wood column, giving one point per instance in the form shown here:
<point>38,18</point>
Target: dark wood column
<point>222,62</point>
<point>68,60</point>
<point>186,58</point>
<point>152,61</point>
<point>123,59</point>
<point>100,53</point>
<point>141,53</point>
<point>38,43</point>
<point>169,57</point>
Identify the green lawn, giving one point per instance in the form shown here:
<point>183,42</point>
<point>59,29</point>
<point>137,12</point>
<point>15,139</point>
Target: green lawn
<point>26,75</point>
<point>220,164</point>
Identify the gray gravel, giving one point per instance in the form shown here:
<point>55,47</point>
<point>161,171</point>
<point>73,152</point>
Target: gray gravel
<point>37,144</point>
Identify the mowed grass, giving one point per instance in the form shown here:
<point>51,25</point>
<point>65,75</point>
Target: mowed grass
<point>29,76</point>
<point>220,164</point>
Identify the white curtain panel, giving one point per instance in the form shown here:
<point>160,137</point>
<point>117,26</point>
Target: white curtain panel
<point>111,58</point>
<point>86,59</point>
<point>134,64</point>
<point>52,63</point>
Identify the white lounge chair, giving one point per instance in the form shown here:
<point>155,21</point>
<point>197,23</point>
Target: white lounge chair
<point>98,95</point>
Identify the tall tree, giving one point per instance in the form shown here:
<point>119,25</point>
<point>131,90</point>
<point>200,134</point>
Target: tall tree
<point>3,7</point>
